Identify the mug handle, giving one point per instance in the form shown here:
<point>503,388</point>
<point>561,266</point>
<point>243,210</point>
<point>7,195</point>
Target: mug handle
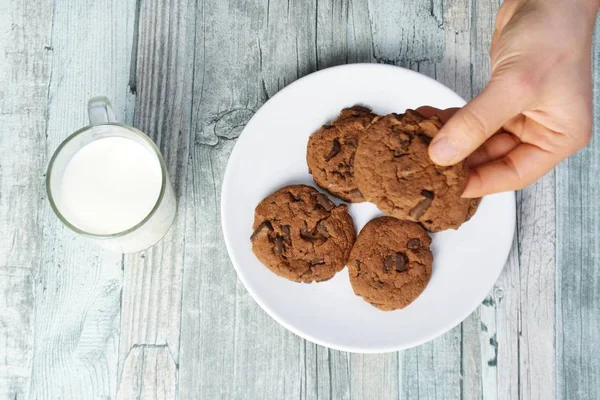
<point>100,111</point>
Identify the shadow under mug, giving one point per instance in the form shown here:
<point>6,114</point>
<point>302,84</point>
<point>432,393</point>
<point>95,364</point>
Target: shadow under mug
<point>103,124</point>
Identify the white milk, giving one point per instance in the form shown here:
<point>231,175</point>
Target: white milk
<point>110,185</point>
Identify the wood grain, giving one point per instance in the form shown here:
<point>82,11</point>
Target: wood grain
<point>577,258</point>
<point>148,373</point>
<point>16,341</point>
<point>77,292</point>
<point>24,76</point>
<point>152,287</point>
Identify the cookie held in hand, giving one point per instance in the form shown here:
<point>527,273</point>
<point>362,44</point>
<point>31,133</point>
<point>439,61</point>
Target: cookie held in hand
<point>393,170</point>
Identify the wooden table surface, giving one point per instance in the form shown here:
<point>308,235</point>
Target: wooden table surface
<point>173,321</point>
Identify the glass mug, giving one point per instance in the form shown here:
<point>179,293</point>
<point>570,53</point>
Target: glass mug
<point>109,183</point>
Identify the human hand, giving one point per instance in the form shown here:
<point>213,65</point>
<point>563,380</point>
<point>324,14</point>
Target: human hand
<point>537,108</point>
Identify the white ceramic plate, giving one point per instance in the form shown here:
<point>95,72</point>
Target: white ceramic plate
<point>270,154</point>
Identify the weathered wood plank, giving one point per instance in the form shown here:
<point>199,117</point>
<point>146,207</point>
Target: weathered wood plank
<point>148,373</point>
<point>24,73</point>
<point>517,338</point>
<point>153,280</point>
<point>16,320</point>
<point>432,371</point>
<point>77,294</point>
<point>578,257</point>
<point>374,376</point>
<point>537,232</point>
<point>500,332</point>
<point>24,62</point>
<point>406,33</point>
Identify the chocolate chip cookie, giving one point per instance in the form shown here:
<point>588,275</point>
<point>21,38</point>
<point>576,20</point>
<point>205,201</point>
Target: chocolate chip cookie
<point>330,153</point>
<point>393,170</point>
<point>390,263</point>
<point>301,235</point>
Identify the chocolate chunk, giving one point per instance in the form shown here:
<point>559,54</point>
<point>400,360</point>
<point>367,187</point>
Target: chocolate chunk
<point>428,194</point>
<point>294,199</point>
<point>319,233</point>
<point>358,265</point>
<point>325,202</point>
<point>355,194</point>
<point>264,225</point>
<point>425,139</point>
<point>318,261</point>
<point>388,263</point>
<point>322,230</point>
<point>414,244</point>
<point>404,142</point>
<point>287,237</point>
<point>278,246</point>
<point>401,262</point>
<point>398,262</point>
<point>304,232</point>
<point>308,273</point>
<point>417,211</point>
<point>335,149</point>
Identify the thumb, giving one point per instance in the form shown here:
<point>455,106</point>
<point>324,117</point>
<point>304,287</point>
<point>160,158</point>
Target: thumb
<point>473,124</point>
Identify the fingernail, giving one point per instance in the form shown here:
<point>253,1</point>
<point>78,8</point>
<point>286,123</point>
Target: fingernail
<point>442,151</point>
